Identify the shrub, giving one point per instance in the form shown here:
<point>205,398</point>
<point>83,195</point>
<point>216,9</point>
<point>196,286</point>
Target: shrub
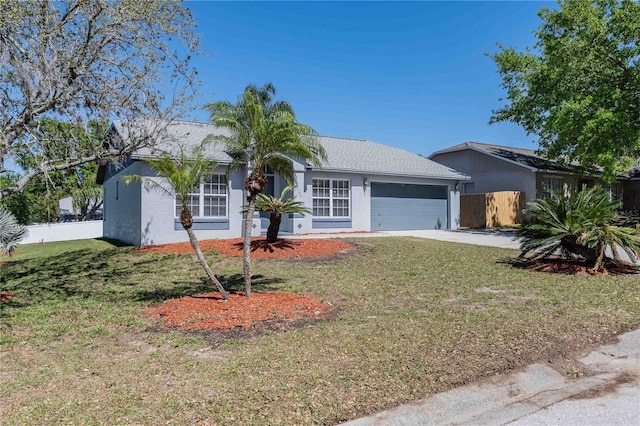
<point>578,224</point>
<point>11,232</point>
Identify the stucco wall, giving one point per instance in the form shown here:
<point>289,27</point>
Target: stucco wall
<point>121,207</point>
<point>141,215</point>
<point>490,174</point>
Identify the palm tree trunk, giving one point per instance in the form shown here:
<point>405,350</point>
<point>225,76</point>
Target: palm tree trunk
<point>196,247</point>
<point>274,227</point>
<point>186,220</point>
<point>246,252</point>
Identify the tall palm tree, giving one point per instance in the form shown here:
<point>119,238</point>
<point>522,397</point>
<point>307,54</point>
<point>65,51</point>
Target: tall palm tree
<point>264,134</point>
<point>183,174</point>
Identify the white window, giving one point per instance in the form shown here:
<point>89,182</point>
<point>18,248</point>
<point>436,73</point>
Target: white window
<point>551,184</point>
<point>331,198</point>
<point>209,199</point>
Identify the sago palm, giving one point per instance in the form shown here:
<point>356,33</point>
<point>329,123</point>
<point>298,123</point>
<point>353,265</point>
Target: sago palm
<point>264,134</point>
<point>182,175</point>
<point>277,207</point>
<point>577,224</point>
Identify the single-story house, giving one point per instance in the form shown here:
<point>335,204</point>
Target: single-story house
<point>364,186</point>
<point>494,168</point>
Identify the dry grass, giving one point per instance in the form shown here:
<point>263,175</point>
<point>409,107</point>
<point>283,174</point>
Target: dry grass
<point>416,317</point>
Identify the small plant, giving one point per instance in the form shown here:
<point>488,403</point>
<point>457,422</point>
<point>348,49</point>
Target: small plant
<point>276,208</point>
<point>577,224</point>
<point>11,232</point>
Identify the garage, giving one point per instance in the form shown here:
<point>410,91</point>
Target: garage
<point>396,206</point>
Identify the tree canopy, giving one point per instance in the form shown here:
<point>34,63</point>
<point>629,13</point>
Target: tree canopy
<point>578,88</point>
<point>78,61</point>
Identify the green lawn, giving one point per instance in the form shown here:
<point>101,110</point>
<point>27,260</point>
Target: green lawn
<point>415,317</point>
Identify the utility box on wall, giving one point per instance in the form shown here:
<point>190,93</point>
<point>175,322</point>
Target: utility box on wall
<point>491,210</point>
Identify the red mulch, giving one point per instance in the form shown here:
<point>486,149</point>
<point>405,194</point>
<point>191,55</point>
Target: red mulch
<point>261,310</point>
<point>6,296</point>
<point>260,249</point>
<point>576,267</point>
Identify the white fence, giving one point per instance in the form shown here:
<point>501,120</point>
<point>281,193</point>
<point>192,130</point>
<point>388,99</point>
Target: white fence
<point>63,231</point>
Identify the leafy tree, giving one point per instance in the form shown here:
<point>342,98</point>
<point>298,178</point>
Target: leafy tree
<point>38,200</point>
<point>578,89</point>
<point>278,207</point>
<point>11,232</point>
<point>577,224</point>
<point>79,61</point>
<point>264,134</point>
<point>182,175</point>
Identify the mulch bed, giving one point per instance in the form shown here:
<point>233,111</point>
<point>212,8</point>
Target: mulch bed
<point>574,267</point>
<point>260,249</point>
<point>260,311</point>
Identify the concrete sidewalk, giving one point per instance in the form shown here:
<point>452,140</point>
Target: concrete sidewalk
<point>538,395</point>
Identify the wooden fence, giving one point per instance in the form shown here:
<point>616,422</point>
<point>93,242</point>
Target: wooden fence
<point>491,210</point>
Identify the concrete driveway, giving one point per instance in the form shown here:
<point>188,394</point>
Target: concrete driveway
<point>503,239</point>
<point>481,237</point>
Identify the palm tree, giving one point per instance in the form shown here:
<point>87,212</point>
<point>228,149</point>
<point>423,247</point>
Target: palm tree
<point>183,174</point>
<point>577,224</point>
<point>264,134</point>
<point>278,207</point>
<point>11,232</point>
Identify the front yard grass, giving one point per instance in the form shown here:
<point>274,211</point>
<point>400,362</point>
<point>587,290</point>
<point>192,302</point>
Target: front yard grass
<point>415,317</point>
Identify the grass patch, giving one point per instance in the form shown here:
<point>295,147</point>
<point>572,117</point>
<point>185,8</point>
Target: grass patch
<point>416,317</point>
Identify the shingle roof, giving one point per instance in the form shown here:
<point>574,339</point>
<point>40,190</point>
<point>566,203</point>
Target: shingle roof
<point>525,157</point>
<point>179,135</point>
<point>348,155</point>
<point>356,155</point>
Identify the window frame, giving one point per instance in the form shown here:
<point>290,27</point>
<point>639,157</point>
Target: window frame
<point>547,190</point>
<point>335,200</point>
<point>202,196</point>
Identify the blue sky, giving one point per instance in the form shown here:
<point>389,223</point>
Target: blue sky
<point>413,75</point>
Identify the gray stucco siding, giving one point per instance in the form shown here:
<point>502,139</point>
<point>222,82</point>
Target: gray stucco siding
<point>122,206</point>
<point>331,223</point>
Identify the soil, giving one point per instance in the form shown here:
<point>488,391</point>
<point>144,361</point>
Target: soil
<point>241,315</point>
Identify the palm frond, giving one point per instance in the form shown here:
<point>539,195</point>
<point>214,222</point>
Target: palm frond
<point>11,232</point>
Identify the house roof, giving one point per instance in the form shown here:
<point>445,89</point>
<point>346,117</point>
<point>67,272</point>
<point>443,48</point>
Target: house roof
<point>345,155</point>
<point>523,157</point>
<point>179,135</point>
<point>362,156</point>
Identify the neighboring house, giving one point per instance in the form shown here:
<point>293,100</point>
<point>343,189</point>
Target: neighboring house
<point>494,168</point>
<point>67,213</point>
<point>364,186</point>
